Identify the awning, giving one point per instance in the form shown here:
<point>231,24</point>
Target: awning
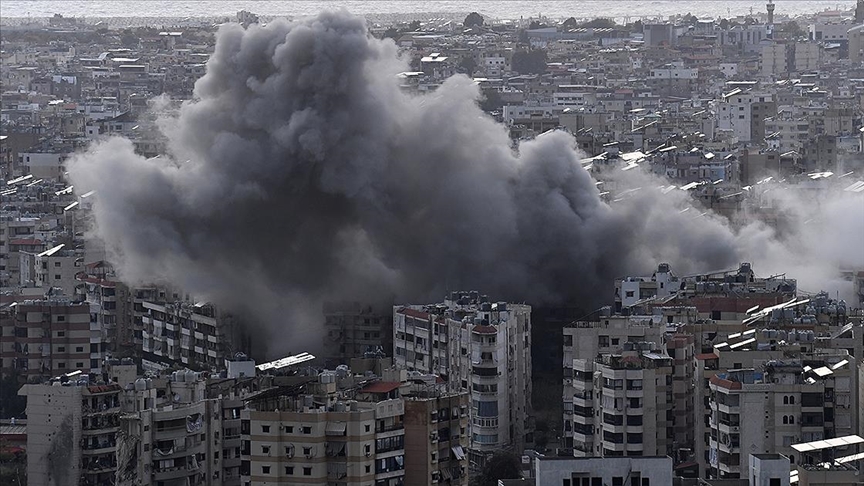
<point>335,428</point>
<point>460,454</point>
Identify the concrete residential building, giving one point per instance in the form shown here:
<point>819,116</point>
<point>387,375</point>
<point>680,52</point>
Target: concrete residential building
<point>622,404</point>
<point>310,433</point>
<point>45,338</point>
<point>72,432</point>
<point>175,441</point>
<point>353,329</point>
<point>480,346</point>
<point>194,335</point>
<point>436,438</point>
<point>600,471</point>
<point>801,400</point>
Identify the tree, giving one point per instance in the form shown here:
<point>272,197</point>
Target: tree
<point>414,26</point>
<point>570,23</point>
<point>491,100</point>
<point>473,19</point>
<point>529,62</point>
<point>536,25</point>
<point>468,64</point>
<point>724,24</point>
<point>792,29</point>
<point>599,23</point>
<point>501,465</point>
<point>128,39</point>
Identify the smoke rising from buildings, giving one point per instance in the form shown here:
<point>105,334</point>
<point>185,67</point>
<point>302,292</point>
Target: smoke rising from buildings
<point>301,172</point>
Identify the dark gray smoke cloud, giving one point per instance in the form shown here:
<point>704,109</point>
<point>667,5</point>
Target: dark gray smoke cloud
<point>300,172</point>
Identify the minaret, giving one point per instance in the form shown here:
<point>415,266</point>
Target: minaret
<point>770,8</point>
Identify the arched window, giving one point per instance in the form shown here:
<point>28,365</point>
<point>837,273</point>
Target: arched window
<point>785,420</point>
<point>791,419</point>
<point>785,400</point>
<point>792,399</point>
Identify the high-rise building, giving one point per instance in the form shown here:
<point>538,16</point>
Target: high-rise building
<point>623,404</point>
<point>195,335</point>
<point>436,435</point>
<point>312,432</point>
<point>782,402</point>
<point>72,431</point>
<point>353,330</point>
<point>45,338</point>
<point>480,346</point>
<point>171,433</point>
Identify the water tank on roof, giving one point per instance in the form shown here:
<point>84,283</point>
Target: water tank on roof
<point>340,406</point>
<point>485,306</point>
<point>140,384</point>
<point>502,306</point>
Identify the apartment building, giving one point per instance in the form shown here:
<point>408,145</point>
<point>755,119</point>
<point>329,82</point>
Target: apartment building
<point>171,433</point>
<point>796,400</point>
<point>52,268</point>
<point>480,346</point>
<point>617,335</point>
<point>436,435</point>
<point>309,433</point>
<point>45,338</point>
<point>599,471</point>
<point>353,329</point>
<point>72,431</point>
<point>623,403</point>
<point>194,335</point>
<point>734,110</point>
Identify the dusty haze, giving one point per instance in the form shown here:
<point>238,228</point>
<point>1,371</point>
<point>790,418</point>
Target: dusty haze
<point>300,172</point>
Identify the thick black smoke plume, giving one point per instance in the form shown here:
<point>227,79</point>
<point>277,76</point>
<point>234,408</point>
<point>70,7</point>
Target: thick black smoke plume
<point>301,172</point>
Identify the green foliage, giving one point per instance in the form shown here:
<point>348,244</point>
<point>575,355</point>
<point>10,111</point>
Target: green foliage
<point>501,465</point>
<point>473,19</point>
<point>570,23</point>
<point>792,29</point>
<point>599,24</point>
<point>491,100</point>
<point>529,62</point>
<point>468,65</point>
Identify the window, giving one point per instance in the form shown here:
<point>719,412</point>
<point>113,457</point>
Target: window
<point>79,349</point>
<point>289,470</point>
<point>265,469</point>
<point>57,264</point>
<point>61,365</point>
<point>307,430</point>
<point>265,449</point>
<point>307,471</point>
<point>367,427</point>
<point>307,451</point>
<point>61,349</point>
<point>61,333</point>
<point>265,429</point>
<point>57,276</point>
<point>289,429</point>
<point>774,482</point>
<point>79,365</point>
<point>61,318</point>
<point>617,481</point>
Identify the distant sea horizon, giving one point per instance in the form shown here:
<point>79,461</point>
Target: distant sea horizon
<point>501,10</point>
